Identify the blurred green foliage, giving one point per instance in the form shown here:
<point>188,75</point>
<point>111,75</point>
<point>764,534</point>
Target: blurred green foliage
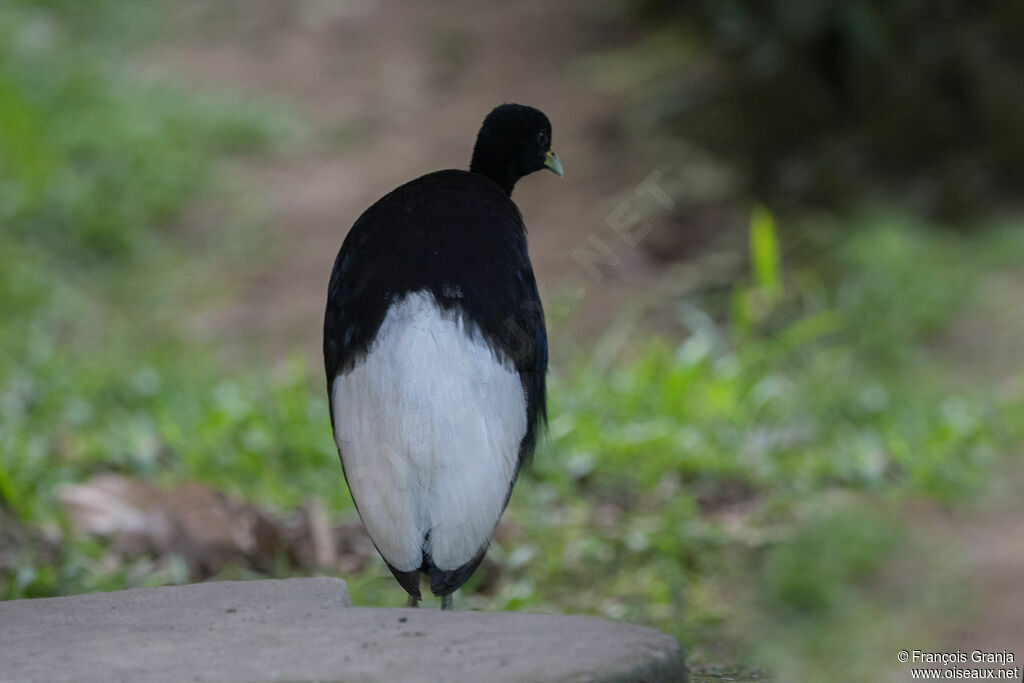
<point>94,163</point>
<point>761,461</point>
<point>831,397</point>
<point>89,162</point>
<point>913,101</point>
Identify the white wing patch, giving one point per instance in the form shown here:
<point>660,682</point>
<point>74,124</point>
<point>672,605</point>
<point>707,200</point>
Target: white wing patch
<point>429,426</point>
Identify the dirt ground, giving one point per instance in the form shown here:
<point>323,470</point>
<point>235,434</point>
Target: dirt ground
<point>392,90</point>
<point>993,544</point>
<point>986,347</point>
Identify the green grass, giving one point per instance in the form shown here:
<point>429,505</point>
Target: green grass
<point>95,158</point>
<point>96,167</point>
<point>751,474</point>
<point>772,453</point>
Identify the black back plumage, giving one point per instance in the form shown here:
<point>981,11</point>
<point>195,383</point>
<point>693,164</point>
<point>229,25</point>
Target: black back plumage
<point>458,235</point>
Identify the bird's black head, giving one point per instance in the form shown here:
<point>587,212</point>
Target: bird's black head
<point>514,141</point>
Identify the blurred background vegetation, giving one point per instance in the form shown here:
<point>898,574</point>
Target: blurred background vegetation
<point>824,103</point>
<point>779,419</point>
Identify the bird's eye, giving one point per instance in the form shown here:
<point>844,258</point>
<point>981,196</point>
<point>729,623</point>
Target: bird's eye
<point>542,139</point>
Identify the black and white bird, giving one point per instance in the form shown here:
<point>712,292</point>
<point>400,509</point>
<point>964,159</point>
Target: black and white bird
<point>436,351</point>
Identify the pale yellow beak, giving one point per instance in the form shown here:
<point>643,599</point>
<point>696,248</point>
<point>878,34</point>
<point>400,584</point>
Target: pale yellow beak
<point>552,162</point>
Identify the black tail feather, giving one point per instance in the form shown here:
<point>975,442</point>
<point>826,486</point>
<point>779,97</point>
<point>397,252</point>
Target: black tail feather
<point>445,582</point>
<point>442,581</point>
<point>410,581</point>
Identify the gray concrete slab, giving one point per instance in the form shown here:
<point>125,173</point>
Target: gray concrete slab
<point>306,630</point>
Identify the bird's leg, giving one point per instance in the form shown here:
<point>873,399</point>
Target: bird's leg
<point>412,602</point>
<point>446,601</point>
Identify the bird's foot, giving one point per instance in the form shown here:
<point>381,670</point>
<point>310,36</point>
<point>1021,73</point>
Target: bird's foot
<point>412,602</point>
<point>446,601</point>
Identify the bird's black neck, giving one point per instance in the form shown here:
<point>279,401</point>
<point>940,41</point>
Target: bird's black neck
<point>499,171</point>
